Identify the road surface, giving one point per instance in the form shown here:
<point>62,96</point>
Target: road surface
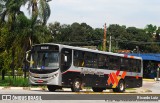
<point>149,88</point>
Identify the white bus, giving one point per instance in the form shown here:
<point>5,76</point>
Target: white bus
<point>59,66</point>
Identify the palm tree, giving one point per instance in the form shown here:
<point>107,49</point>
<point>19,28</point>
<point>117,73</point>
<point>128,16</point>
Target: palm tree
<point>44,11</point>
<point>9,9</point>
<point>38,9</point>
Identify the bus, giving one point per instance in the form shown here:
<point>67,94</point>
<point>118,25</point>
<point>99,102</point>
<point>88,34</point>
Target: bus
<point>61,66</point>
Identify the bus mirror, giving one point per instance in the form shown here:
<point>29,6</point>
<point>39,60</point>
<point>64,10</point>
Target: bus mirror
<point>27,55</point>
<point>65,58</point>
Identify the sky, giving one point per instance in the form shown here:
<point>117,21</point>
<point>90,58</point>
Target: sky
<point>137,13</point>
<point>95,13</point>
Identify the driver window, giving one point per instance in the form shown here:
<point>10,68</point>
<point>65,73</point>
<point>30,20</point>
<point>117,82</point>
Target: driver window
<point>66,59</point>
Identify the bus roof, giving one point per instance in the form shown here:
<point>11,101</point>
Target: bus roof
<point>91,50</point>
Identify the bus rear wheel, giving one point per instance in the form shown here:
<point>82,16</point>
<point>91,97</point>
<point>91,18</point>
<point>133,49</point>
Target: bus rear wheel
<point>95,89</point>
<point>51,88</point>
<point>120,87</point>
<point>76,87</point>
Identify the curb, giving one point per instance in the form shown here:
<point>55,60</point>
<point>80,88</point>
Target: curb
<point>19,88</point>
<point>148,80</point>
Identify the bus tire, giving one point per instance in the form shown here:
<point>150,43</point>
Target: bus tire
<point>76,86</point>
<point>51,88</point>
<point>95,89</point>
<point>120,87</point>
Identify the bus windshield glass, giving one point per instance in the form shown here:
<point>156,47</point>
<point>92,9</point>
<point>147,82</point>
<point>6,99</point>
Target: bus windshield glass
<point>45,60</point>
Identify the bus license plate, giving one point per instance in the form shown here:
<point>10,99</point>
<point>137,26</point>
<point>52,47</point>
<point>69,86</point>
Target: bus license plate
<point>40,81</point>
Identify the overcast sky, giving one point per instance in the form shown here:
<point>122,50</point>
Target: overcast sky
<point>95,13</point>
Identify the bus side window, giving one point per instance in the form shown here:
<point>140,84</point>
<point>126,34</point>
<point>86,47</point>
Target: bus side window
<point>134,66</point>
<point>113,63</point>
<point>124,64</point>
<point>78,58</point>
<point>95,60</point>
<point>103,61</point>
<point>131,63</point>
<point>138,66</point>
<point>88,59</point>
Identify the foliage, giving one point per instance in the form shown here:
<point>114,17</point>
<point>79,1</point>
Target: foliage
<point>17,32</point>
<point>17,82</point>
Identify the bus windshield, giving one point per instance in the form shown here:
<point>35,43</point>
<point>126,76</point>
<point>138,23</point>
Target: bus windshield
<point>45,60</point>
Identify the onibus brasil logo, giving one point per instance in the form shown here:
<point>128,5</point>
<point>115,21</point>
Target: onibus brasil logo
<point>115,77</point>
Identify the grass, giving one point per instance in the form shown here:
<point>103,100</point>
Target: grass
<point>18,81</point>
<point>130,89</point>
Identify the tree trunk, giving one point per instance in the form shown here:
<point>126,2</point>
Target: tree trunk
<point>3,74</point>
<point>25,74</point>
<point>12,64</point>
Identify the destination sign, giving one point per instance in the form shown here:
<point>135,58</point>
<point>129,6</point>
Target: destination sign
<point>44,47</point>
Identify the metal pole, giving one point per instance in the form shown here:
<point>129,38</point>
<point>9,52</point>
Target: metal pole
<point>110,44</point>
<point>104,38</point>
<point>138,52</point>
<point>158,72</point>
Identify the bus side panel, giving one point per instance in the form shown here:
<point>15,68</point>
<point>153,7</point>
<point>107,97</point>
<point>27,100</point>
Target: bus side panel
<point>88,80</point>
<point>133,82</point>
<point>68,78</point>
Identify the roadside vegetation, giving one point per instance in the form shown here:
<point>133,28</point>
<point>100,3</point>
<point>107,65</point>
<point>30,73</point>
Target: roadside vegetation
<point>18,81</point>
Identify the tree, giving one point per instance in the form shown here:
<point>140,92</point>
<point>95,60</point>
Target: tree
<point>150,29</point>
<point>16,29</point>
<point>54,28</point>
<point>9,12</point>
<point>119,36</point>
<point>137,38</point>
<point>158,34</point>
<point>43,11</point>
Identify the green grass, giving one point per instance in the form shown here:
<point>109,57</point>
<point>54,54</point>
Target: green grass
<point>130,89</point>
<point>18,81</point>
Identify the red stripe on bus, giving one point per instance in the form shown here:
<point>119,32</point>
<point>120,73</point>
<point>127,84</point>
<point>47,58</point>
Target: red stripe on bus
<point>123,74</point>
<point>117,73</point>
<point>112,80</point>
<point>115,78</point>
<point>104,74</point>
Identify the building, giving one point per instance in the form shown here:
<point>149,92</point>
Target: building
<point>150,63</point>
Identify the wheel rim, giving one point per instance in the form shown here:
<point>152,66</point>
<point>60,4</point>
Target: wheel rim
<point>77,84</point>
<point>121,86</point>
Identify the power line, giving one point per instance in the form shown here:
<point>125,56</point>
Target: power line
<point>98,41</point>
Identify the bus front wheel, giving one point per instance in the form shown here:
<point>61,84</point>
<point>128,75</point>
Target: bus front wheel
<point>120,87</point>
<point>76,86</point>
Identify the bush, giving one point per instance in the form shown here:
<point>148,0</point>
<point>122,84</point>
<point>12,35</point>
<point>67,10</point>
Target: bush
<point>18,81</point>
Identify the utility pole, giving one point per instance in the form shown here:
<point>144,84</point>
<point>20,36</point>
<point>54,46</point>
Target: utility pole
<point>104,37</point>
<point>110,43</point>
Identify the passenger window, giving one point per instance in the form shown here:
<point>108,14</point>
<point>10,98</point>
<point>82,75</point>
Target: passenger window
<point>78,58</point>
<point>103,61</point>
<point>113,63</point>
<point>138,66</point>
<point>124,64</point>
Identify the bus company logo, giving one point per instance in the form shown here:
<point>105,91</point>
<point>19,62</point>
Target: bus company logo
<point>6,97</point>
<point>114,78</point>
